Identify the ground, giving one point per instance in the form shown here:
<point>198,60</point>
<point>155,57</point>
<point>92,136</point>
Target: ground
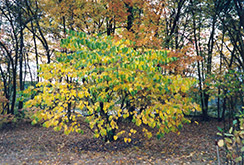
<point>27,144</point>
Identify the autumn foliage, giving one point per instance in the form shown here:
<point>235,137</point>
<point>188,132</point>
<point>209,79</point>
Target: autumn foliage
<point>136,20</point>
<point>105,81</point>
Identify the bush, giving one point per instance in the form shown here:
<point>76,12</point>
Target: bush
<point>105,81</point>
<point>233,141</point>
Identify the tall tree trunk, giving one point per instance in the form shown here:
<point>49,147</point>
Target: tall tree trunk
<point>36,52</point>
<point>200,72</point>
<point>130,17</point>
<point>21,83</point>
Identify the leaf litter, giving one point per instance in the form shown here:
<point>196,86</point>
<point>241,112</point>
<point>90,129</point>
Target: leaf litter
<point>27,144</point>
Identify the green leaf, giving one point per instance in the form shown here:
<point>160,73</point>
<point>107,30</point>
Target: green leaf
<point>218,133</point>
<point>33,122</point>
<point>82,41</point>
<point>228,134</point>
<point>228,140</point>
<point>231,129</point>
<point>66,132</point>
<point>124,50</point>
<point>220,129</point>
<point>234,122</point>
<point>57,128</point>
<point>81,132</point>
<point>239,159</point>
<point>44,124</point>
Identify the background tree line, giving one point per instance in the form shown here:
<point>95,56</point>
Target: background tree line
<point>206,35</point>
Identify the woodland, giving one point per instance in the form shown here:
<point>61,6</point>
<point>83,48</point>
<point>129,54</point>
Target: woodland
<point>121,81</point>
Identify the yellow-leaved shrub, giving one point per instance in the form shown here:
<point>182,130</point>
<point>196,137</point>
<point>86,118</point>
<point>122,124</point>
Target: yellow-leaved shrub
<point>104,81</point>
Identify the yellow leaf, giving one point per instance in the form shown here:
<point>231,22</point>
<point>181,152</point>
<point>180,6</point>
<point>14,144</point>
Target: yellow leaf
<point>103,132</point>
<point>115,137</point>
<point>96,135</point>
<point>133,131</point>
<point>113,124</point>
<point>221,143</point>
<point>129,140</point>
<point>138,122</point>
<point>149,135</point>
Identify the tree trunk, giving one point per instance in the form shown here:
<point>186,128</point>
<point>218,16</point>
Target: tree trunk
<point>21,83</point>
<point>111,133</point>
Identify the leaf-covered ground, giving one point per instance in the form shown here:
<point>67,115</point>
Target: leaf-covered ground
<point>27,144</point>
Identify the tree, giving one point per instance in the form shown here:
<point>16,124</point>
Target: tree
<point>12,53</point>
<point>34,11</point>
<point>226,82</point>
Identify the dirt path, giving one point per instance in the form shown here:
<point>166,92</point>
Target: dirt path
<point>27,144</point>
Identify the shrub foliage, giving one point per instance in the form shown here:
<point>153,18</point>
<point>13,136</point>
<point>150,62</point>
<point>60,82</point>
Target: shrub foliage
<point>106,81</point>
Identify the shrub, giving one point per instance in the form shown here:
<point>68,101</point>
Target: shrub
<point>233,141</point>
<point>105,81</point>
